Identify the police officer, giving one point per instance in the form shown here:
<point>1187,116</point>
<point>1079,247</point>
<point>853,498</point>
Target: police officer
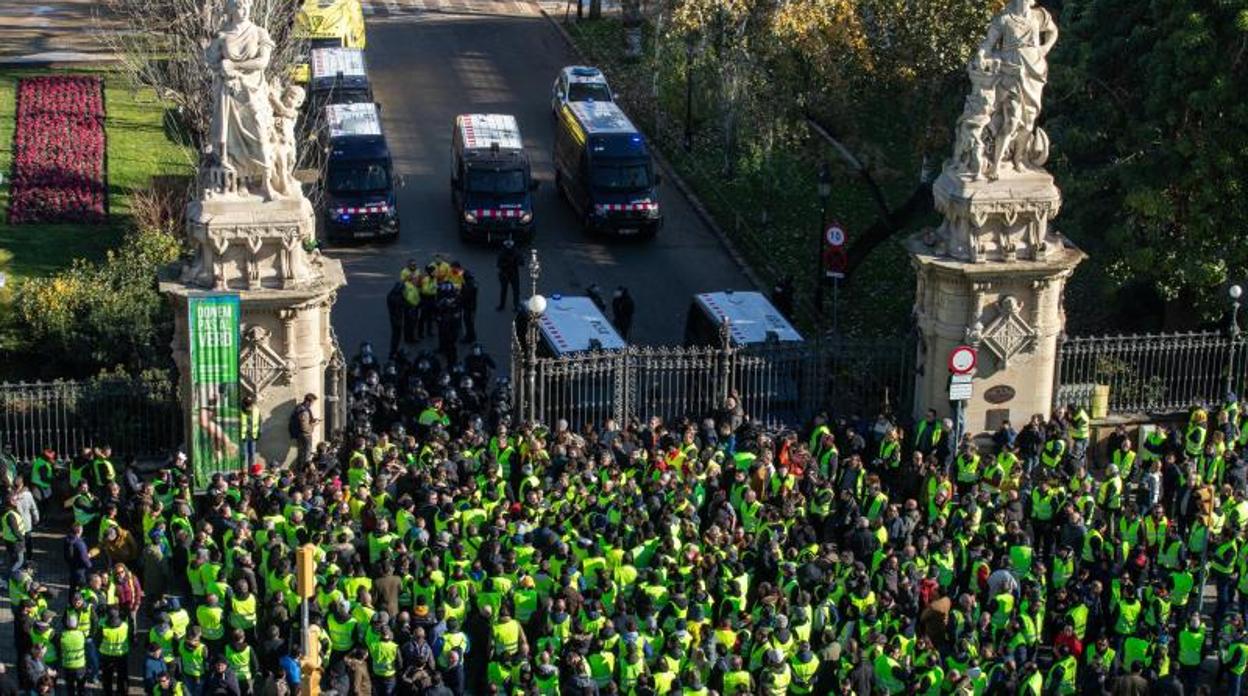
<point>622,308</point>
<point>468,306</point>
<point>396,308</point>
<point>448,323</point>
<point>510,261</point>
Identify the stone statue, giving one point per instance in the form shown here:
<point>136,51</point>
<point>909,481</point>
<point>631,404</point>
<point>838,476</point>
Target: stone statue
<point>285,104</point>
<point>1008,74</point>
<point>240,135</point>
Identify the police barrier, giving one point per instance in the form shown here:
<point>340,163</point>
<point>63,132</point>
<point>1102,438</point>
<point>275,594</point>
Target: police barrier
<point>1151,373</point>
<point>780,384</point>
<point>138,416</point>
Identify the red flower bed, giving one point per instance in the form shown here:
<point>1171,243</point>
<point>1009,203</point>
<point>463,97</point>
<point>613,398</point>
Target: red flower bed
<point>58,151</point>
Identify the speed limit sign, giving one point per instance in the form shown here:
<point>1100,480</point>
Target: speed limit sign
<point>835,236</point>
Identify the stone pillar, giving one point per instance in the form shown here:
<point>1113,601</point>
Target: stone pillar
<point>1011,312</point>
<point>256,249</point>
<point>993,274</point>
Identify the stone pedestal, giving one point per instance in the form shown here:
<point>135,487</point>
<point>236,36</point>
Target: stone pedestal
<point>1010,311</point>
<point>257,249</point>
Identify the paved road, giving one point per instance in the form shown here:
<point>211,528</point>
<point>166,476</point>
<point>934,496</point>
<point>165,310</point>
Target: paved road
<point>427,66</point>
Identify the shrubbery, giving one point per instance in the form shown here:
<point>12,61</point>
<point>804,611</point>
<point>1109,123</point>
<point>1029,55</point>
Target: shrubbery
<point>104,313</point>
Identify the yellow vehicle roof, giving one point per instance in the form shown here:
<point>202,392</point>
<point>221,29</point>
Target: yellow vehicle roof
<point>334,18</point>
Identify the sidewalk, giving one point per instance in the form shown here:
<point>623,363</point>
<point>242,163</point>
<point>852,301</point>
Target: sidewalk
<point>37,31</point>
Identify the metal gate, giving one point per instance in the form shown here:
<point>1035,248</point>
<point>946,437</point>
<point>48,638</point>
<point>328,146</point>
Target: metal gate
<point>135,415</point>
<point>779,384</point>
<point>1152,373</point>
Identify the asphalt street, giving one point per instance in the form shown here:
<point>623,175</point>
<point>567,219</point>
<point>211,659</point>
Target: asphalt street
<point>427,67</point>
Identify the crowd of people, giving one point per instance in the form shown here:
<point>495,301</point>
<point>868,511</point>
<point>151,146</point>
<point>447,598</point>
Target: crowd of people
<point>461,551</point>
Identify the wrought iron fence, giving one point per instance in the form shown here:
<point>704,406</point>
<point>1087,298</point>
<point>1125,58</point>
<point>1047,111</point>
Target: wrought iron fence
<point>1151,373</point>
<point>134,416</point>
<point>780,384</point>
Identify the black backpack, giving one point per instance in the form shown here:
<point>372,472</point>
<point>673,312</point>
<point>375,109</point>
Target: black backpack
<point>295,427</point>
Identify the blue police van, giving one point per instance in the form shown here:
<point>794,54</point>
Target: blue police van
<point>358,198</point>
<point>604,169</point>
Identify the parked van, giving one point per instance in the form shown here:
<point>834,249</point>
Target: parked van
<point>491,181</point>
<point>358,200</point>
<point>327,24</point>
<point>750,315</point>
<point>575,325</point>
<point>604,169</point>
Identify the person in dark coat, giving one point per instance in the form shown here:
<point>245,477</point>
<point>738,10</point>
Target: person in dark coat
<point>396,307</point>
<point>468,306</point>
<point>510,261</point>
<point>622,308</point>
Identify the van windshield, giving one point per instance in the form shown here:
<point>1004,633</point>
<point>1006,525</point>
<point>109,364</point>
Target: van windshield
<point>585,91</point>
<point>358,178</point>
<point>507,182</point>
<point>623,175</point>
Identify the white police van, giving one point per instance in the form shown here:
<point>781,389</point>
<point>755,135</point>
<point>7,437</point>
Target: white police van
<point>752,320</point>
<point>575,325</point>
<point>578,83</point>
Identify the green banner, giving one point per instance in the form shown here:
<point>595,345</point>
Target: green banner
<point>216,431</point>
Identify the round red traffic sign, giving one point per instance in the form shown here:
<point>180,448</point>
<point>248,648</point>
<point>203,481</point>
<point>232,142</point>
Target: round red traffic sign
<point>834,235</point>
<point>962,360</point>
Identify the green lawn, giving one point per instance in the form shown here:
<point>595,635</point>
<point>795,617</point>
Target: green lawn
<point>138,149</point>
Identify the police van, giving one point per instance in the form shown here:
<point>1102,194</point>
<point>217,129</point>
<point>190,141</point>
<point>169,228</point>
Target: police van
<point>339,76</point>
<point>604,169</point>
<point>359,182</point>
<point>491,182</point>
<point>752,320</point>
<point>575,325</point>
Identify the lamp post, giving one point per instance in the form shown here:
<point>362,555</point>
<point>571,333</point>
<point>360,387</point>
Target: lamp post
<point>824,190</point>
<point>536,305</point>
<point>1235,292</point>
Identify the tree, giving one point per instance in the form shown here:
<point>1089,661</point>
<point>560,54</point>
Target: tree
<point>164,46</point>
<point>1150,132</point>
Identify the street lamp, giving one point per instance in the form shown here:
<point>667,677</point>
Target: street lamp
<point>824,189</point>
<point>1235,292</point>
<point>536,306</point>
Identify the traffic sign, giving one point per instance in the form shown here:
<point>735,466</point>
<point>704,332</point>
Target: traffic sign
<point>962,360</point>
<point>960,391</point>
<point>834,235</point>
<point>834,262</point>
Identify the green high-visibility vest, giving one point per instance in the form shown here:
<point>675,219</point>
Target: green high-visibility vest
<point>239,661</point>
<point>1191,646</point>
<point>630,673</point>
<point>733,681</point>
<point>385,658</point>
<point>193,659</point>
<point>1128,616</point>
<point>13,529</point>
<point>1070,672</point>
<point>116,640</point>
<point>803,674</point>
<point>243,612</point>
<point>73,649</point>
<point>341,633</point>
<point>210,620</point>
<point>1080,425</point>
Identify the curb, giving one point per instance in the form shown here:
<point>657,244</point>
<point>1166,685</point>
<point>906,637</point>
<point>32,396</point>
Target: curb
<point>685,190</point>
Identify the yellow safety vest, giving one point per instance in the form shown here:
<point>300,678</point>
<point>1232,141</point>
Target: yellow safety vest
<point>73,649</point>
<point>385,654</point>
<point>210,620</point>
<point>243,614</point>
<point>116,641</point>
